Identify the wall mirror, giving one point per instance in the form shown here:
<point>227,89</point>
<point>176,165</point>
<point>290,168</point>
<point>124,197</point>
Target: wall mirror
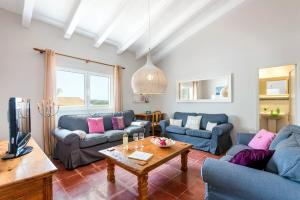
<point>274,88</point>
<point>205,90</point>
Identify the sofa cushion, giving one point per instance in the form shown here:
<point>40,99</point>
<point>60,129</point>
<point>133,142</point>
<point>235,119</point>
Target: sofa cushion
<point>92,139</point>
<point>226,158</point>
<point>254,158</point>
<point>199,133</point>
<point>215,118</point>
<point>106,120</point>
<point>237,148</point>
<point>114,135</point>
<point>128,116</point>
<point>176,129</point>
<point>193,122</point>
<point>183,116</point>
<point>73,122</point>
<point>96,125</point>
<point>262,140</point>
<point>134,129</point>
<point>281,159</point>
<point>118,123</point>
<point>283,134</point>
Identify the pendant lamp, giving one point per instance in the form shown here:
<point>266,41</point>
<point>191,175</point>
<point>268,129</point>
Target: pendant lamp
<point>149,79</point>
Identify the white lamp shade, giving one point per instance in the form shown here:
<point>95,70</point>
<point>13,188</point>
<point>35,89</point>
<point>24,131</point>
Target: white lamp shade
<point>149,79</point>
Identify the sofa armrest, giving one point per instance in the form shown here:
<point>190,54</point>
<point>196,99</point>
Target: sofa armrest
<point>66,136</point>
<point>247,183</point>
<point>163,125</point>
<point>147,126</point>
<point>221,129</point>
<point>244,138</point>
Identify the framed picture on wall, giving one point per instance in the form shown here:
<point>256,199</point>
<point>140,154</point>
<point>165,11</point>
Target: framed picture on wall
<point>139,98</point>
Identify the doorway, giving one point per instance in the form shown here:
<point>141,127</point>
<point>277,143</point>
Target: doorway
<point>277,104</point>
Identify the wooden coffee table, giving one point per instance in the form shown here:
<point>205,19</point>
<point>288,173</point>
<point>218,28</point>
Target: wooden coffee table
<point>118,156</point>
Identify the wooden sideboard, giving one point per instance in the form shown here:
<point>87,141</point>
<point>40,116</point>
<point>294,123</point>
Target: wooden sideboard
<point>26,177</point>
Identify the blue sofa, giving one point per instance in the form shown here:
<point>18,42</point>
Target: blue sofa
<point>73,151</point>
<point>280,180</point>
<point>217,141</point>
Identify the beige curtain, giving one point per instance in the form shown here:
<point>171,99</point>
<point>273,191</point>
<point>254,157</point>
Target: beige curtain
<point>118,87</point>
<point>48,105</point>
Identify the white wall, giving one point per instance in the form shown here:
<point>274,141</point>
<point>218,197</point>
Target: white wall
<point>255,34</point>
<point>22,69</point>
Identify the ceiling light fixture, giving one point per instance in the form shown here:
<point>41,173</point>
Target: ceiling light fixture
<point>149,79</point>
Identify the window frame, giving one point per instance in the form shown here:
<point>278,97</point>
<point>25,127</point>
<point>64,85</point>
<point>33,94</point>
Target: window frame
<point>87,106</point>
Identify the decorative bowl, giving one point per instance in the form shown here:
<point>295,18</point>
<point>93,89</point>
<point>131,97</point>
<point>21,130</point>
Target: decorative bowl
<point>162,142</point>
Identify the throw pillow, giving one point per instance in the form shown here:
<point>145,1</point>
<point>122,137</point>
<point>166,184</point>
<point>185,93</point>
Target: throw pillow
<point>118,123</point>
<point>262,140</point>
<point>80,133</point>
<point>254,158</point>
<point>286,162</point>
<point>141,124</point>
<point>176,122</point>
<point>193,122</point>
<point>96,125</point>
<point>210,126</point>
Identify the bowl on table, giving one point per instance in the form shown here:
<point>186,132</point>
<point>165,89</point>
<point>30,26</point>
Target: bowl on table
<point>162,142</point>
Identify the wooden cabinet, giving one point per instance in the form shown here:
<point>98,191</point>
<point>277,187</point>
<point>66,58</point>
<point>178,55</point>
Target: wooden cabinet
<point>26,177</point>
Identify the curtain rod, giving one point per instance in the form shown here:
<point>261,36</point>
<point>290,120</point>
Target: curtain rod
<point>78,58</point>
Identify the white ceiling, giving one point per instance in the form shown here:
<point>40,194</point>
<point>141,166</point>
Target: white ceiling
<point>124,23</point>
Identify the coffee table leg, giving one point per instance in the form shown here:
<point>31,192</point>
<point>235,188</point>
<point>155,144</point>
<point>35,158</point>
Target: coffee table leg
<point>143,186</point>
<point>184,160</point>
<point>110,170</point>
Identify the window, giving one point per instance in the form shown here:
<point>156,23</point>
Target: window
<point>99,90</point>
<point>82,89</point>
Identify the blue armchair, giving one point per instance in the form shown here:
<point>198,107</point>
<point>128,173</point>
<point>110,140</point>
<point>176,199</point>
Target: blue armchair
<point>280,180</point>
<point>217,141</point>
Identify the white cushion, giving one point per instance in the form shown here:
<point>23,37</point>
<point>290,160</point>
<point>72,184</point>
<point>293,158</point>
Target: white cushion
<point>193,122</point>
<point>210,126</point>
<point>176,122</point>
<point>138,123</point>
<point>80,133</point>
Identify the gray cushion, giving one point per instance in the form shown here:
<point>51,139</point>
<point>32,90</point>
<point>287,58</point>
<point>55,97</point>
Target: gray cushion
<point>134,129</point>
<point>237,148</point>
<point>114,135</point>
<point>283,134</point>
<point>286,162</point>
<point>279,159</point>
<point>73,122</point>
<point>199,133</point>
<point>176,129</point>
<point>183,116</point>
<point>215,118</point>
<point>92,139</point>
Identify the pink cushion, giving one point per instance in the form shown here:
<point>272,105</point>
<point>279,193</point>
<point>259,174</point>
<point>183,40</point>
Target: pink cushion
<point>262,140</point>
<point>118,123</point>
<point>96,125</point>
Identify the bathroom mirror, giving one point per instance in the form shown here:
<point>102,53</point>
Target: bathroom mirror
<point>205,90</point>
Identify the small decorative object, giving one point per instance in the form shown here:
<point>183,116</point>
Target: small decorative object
<point>148,112</point>
<point>162,142</point>
<point>218,90</point>
<point>224,92</point>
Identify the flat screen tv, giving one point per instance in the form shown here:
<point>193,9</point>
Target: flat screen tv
<point>19,119</point>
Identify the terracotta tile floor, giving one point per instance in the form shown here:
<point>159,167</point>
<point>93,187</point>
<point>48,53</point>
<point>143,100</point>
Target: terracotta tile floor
<point>165,182</point>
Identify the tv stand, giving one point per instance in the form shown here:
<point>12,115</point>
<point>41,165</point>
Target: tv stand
<point>26,177</point>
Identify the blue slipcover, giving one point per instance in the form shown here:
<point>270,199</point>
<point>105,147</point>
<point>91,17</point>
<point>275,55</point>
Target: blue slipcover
<point>134,129</point>
<point>199,133</point>
<point>216,142</point>
<point>280,180</point>
<point>93,139</point>
<point>176,129</point>
<point>73,152</point>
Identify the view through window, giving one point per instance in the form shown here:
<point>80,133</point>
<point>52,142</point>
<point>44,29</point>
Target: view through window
<point>79,89</point>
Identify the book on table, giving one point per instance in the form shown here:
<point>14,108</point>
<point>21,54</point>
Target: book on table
<point>139,155</point>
